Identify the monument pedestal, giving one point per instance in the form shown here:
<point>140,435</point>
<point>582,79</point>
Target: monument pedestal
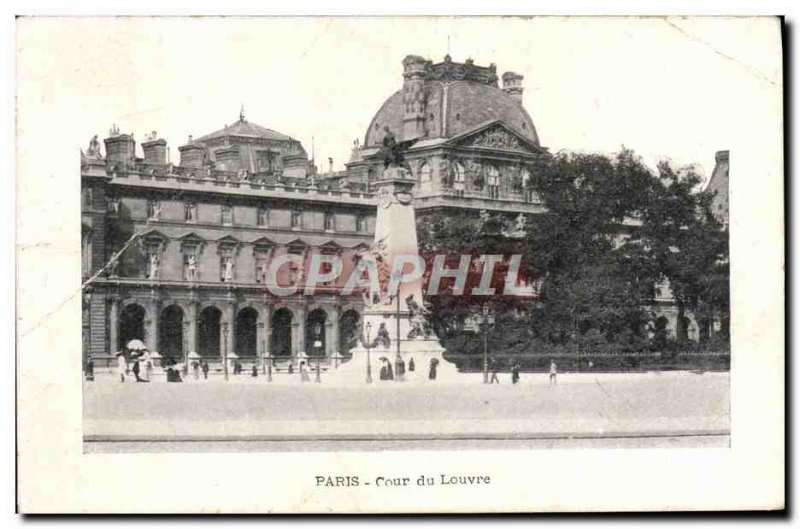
<point>394,310</point>
<point>421,350</point>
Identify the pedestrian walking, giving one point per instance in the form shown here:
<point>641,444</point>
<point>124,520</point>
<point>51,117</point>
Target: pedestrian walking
<point>493,365</point>
<point>399,368</point>
<point>196,370</point>
<point>553,373</point>
<point>204,367</point>
<point>515,373</point>
<point>145,365</point>
<point>254,372</point>
<point>304,372</point>
<point>411,364</point>
<point>136,368</point>
<point>432,369</point>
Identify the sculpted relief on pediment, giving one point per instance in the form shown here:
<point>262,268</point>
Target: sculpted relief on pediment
<point>496,138</point>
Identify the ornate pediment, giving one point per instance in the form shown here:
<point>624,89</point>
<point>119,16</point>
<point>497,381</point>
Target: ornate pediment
<point>496,136</point>
<point>228,244</point>
<point>331,248</point>
<point>297,246</point>
<point>263,246</point>
<point>154,236</point>
<point>191,243</point>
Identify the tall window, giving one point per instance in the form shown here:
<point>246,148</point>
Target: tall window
<point>493,181</point>
<point>226,270</point>
<point>329,221</point>
<point>153,209</point>
<point>266,161</point>
<point>87,198</point>
<point>190,265</point>
<point>227,214</point>
<point>525,180</point>
<point>86,253</point>
<point>459,177</point>
<point>296,270</point>
<point>425,174</point>
<point>296,219</point>
<point>262,216</point>
<point>153,262</point>
<point>361,223</point>
<point>191,259</point>
<point>190,212</point>
<point>262,264</point>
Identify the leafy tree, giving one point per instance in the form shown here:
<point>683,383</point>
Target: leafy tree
<point>611,232</point>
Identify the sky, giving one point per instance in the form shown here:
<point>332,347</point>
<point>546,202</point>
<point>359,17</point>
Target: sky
<point>676,88</point>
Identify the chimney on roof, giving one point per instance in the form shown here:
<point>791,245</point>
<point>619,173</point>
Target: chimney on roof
<point>512,85</point>
<point>120,147</point>
<point>155,150</point>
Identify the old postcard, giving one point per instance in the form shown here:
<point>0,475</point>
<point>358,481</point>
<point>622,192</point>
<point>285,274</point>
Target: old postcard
<point>410,264</point>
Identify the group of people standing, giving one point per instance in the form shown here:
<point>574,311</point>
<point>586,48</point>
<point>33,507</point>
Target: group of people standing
<point>142,367</point>
<point>398,371</point>
<point>515,369</point>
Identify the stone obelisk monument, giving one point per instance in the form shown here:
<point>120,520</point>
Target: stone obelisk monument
<point>394,319</point>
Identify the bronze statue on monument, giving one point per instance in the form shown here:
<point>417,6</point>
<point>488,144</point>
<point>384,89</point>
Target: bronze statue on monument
<point>392,151</point>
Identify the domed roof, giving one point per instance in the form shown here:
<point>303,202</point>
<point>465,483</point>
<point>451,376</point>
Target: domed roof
<point>244,128</point>
<point>452,108</point>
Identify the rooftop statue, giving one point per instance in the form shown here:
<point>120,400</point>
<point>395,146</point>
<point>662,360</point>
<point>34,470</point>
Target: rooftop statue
<point>94,149</point>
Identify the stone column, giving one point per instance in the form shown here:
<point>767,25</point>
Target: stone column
<point>155,313</point>
<point>301,330</point>
<point>230,316</point>
<point>266,328</point>
<point>332,338</point>
<point>191,344</point>
<point>113,326</point>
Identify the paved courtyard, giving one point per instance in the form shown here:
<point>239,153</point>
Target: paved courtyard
<point>596,408</point>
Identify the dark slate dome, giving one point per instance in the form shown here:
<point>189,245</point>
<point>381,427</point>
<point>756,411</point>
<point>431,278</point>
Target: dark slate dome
<point>458,97</point>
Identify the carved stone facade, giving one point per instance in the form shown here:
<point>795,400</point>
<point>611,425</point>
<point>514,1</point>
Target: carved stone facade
<point>192,278</point>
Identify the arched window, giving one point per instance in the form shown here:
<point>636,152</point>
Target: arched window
<point>86,253</point>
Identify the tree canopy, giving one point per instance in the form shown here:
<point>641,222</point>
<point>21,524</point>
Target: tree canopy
<point>614,233</point>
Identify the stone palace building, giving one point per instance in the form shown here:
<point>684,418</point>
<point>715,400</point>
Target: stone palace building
<point>205,229</point>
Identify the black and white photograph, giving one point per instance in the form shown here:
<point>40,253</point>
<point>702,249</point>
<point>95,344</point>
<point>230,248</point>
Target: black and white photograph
<point>289,237</point>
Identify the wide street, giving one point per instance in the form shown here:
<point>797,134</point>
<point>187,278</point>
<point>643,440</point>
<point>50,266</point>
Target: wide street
<point>637,409</point>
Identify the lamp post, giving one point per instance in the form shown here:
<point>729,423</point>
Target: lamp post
<point>185,344</point>
<point>225,349</point>
<point>486,320</point>
<point>318,346</point>
<point>369,365</point>
<point>87,339</point>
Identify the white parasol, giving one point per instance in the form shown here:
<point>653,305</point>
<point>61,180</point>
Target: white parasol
<point>136,345</point>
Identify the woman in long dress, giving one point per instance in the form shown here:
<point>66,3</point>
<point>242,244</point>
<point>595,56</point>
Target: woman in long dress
<point>145,366</point>
<point>122,366</point>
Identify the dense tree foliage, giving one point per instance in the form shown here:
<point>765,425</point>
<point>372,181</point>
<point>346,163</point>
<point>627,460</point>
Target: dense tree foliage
<point>613,231</point>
